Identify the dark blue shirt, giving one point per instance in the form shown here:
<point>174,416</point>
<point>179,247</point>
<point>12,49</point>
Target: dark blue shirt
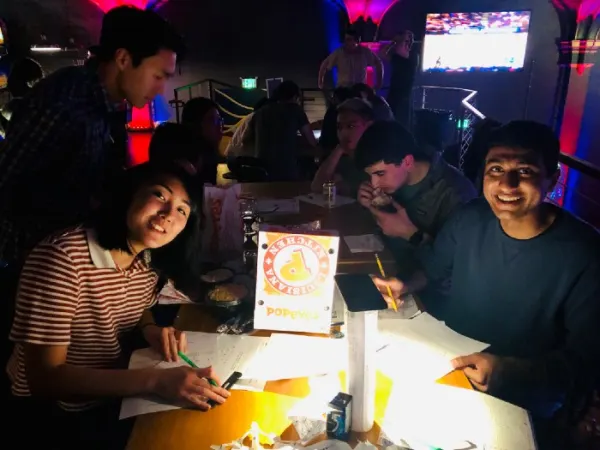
<point>54,157</point>
<point>536,299</point>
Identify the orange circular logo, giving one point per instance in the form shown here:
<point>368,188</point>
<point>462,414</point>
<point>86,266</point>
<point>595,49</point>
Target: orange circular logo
<point>296,265</point>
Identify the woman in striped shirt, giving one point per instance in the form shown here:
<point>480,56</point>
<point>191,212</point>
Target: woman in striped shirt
<point>84,290</point>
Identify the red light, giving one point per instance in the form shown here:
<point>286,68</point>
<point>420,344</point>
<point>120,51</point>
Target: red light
<point>141,119</point>
<point>375,9</point>
<point>107,5</point>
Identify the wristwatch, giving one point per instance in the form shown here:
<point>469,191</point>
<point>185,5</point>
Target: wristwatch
<point>416,238</point>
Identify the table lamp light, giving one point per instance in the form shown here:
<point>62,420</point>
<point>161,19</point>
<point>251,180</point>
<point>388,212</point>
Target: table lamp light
<point>363,301</point>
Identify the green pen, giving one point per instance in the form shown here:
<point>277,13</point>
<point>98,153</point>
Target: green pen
<point>194,366</point>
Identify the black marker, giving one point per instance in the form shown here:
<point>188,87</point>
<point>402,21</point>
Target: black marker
<point>229,383</point>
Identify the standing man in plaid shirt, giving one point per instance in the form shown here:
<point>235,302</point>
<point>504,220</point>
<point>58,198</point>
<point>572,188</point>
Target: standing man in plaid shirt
<point>57,152</point>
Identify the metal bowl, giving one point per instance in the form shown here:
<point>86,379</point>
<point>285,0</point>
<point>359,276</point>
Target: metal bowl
<point>216,276</point>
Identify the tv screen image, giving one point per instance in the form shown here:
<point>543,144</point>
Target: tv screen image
<point>471,42</point>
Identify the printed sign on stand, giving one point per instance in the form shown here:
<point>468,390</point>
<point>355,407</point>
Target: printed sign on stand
<point>295,281</point>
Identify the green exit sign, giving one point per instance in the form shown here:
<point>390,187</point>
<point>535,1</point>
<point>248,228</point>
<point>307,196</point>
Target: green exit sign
<point>249,83</point>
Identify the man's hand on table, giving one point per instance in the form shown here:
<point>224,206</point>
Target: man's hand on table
<point>166,341</point>
<point>480,368</point>
<point>190,386</point>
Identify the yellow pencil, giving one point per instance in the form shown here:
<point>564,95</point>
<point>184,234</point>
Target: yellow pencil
<point>388,287</point>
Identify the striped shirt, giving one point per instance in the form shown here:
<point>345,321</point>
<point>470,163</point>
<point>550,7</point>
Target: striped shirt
<point>71,293</point>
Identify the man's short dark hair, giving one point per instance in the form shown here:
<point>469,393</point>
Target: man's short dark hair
<point>342,93</point>
<point>286,91</point>
<point>363,88</point>
<point>353,33</point>
<point>387,142</point>
<point>359,107</point>
<point>529,135</point>
<point>143,33</point>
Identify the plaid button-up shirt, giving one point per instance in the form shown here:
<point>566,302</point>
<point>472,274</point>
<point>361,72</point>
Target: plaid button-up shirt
<point>53,159</point>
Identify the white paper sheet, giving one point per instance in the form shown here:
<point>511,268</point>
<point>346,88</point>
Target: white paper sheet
<point>420,348</point>
<point>278,206</point>
<point>295,356</point>
<point>454,418</point>
<point>319,200</point>
<point>226,354</point>
<point>365,243</point>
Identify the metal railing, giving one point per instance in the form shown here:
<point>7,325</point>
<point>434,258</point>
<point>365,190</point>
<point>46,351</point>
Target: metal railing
<point>578,188</point>
<point>202,88</point>
<point>461,103</point>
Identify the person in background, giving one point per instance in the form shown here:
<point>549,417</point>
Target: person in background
<point>24,74</point>
<point>354,116</point>
<point>82,294</point>
<point>239,144</point>
<point>380,106</point>
<point>328,140</point>
<point>421,191</point>
<point>55,160</point>
<point>525,278</point>
<point>173,142</point>
<point>404,66</point>
<point>351,60</point>
<point>274,129</point>
<point>202,115</point>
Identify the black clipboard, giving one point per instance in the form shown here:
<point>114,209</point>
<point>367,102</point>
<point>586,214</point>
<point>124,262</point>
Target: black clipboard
<point>360,293</point>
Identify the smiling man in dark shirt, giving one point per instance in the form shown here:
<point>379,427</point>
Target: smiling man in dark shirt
<point>58,144</point>
<point>525,278</point>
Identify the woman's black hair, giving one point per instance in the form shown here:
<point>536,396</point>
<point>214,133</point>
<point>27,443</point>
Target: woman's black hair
<point>195,109</point>
<point>172,142</point>
<point>179,260</point>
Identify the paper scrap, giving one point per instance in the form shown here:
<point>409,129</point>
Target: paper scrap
<point>366,445</point>
<point>278,206</point>
<point>424,344</point>
<point>225,353</point>
<point>171,296</point>
<point>289,356</point>
<point>308,429</point>
<point>365,243</point>
<point>319,200</point>
<point>329,445</point>
<point>455,418</point>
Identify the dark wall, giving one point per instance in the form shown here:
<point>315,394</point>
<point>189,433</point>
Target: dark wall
<point>227,39</point>
<point>253,38</point>
<point>503,96</point>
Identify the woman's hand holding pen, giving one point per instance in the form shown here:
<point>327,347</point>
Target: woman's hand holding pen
<point>190,386</point>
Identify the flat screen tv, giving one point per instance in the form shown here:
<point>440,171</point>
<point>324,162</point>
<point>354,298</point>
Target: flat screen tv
<point>475,41</point>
